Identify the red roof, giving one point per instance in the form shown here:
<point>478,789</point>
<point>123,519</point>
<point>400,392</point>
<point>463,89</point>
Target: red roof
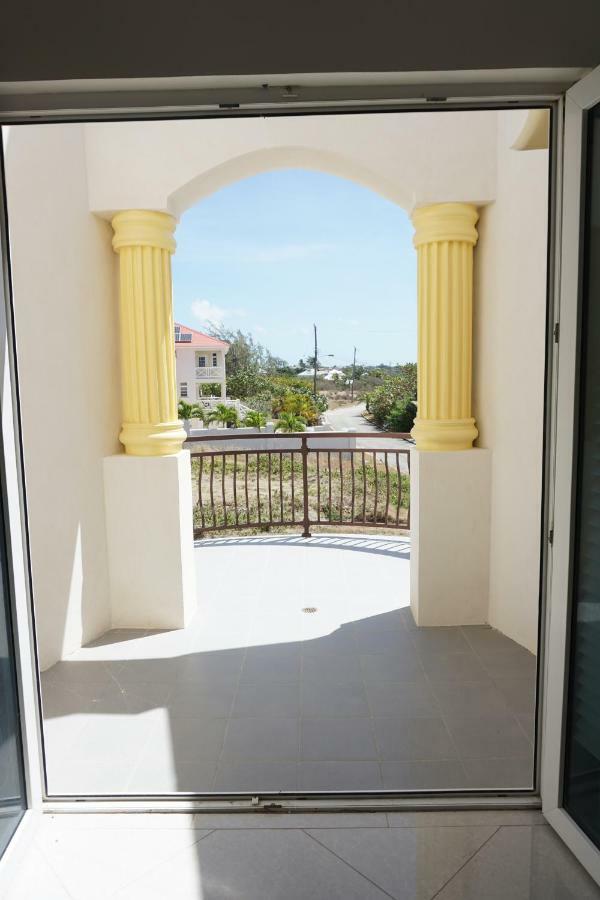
<point>200,340</point>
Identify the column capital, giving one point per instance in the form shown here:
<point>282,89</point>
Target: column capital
<point>445,222</point>
<point>143,228</point>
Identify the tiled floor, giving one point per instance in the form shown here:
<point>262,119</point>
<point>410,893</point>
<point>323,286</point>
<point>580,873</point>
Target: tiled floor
<point>257,695</point>
<point>405,856</point>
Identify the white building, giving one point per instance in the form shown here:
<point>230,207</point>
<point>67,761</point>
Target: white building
<point>200,361</point>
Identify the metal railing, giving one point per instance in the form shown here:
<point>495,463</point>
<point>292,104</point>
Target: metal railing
<point>300,479</point>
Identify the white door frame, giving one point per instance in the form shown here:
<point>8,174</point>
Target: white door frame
<point>580,98</point>
<point>485,95</point>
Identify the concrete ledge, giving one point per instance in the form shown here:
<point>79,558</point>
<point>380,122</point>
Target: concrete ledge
<point>450,536</point>
<point>150,540</point>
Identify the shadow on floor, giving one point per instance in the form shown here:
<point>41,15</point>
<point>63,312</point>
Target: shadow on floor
<point>377,704</point>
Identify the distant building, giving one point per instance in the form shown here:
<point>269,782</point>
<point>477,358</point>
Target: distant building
<point>326,374</point>
<point>200,360</point>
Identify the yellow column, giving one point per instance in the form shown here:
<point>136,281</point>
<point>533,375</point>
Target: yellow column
<point>445,235</point>
<point>144,241</point>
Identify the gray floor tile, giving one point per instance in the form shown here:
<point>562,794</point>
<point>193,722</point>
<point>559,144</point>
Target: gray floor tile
<point>441,640</point>
<point>402,698</point>
<point>484,639</point>
<point>470,817</point>
<point>147,671</point>
<point>261,739</point>
<point>150,777</point>
<point>195,701</point>
<point>340,641</point>
<point>267,700</point>
<point>488,738</point>
<point>222,666</point>
<point>459,667</point>
<point>337,739</point>
<point>518,693</point>
<point>470,699</point>
<point>522,863</point>
<point>394,620</point>
<point>339,668</point>
<point>257,777</point>
<point>499,773</point>
<point>383,640</point>
<point>194,740</point>
<point>339,776</point>
<point>255,865</point>
<point>324,699</point>
<point>527,723</point>
<point>444,774</point>
<point>277,664</point>
<point>409,864</point>
<point>515,663</point>
<point>407,738</point>
<point>289,820</point>
<point>401,666</point>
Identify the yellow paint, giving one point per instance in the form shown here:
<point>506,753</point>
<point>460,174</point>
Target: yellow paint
<point>445,235</point>
<point>144,241</point>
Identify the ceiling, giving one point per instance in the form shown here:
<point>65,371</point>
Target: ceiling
<point>73,39</point>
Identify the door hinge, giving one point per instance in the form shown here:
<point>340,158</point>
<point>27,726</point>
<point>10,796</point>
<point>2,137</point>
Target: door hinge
<point>556,332</point>
<point>551,536</point>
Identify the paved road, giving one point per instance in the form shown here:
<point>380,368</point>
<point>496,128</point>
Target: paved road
<point>348,418</point>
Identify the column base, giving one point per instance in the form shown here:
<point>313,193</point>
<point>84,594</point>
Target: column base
<point>162,439</point>
<point>450,537</point>
<point>444,434</point>
<point>150,540</point>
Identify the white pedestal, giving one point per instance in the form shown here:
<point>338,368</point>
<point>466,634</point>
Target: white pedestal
<point>150,540</point>
<point>450,536</point>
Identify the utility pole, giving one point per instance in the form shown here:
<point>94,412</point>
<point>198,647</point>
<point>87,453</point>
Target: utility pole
<point>315,369</point>
<point>353,375</point>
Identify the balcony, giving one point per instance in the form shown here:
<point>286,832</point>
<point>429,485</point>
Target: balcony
<point>303,668</point>
<point>210,373</point>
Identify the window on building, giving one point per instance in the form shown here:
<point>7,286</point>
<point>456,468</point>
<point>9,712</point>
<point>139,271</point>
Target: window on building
<point>214,362</point>
<point>183,389</point>
<point>202,361</point>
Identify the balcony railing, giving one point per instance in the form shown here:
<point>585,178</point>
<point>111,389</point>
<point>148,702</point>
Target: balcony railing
<point>210,373</point>
<point>301,480</point>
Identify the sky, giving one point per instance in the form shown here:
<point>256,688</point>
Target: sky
<point>277,252</point>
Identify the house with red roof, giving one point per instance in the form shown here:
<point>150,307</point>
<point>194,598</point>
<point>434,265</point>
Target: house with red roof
<point>200,364</point>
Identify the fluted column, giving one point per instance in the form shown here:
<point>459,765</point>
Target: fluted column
<point>144,241</point>
<point>445,235</point>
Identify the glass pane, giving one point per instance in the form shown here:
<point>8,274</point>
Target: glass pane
<point>12,795</point>
<point>582,763</point>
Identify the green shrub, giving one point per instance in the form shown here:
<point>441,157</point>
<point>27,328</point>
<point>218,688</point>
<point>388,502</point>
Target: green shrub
<point>402,417</point>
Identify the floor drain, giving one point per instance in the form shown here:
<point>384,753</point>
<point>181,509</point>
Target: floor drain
<point>309,609</point>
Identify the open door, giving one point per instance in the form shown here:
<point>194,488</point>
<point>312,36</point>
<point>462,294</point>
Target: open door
<point>571,733</point>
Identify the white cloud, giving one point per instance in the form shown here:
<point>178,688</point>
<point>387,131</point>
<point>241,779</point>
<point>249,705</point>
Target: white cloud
<point>209,313</point>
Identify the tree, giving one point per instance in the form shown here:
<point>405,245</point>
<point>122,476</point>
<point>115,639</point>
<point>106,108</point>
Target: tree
<point>393,398</point>
<point>187,411</point>
<point>255,419</point>
<point>289,421</point>
<point>225,415</point>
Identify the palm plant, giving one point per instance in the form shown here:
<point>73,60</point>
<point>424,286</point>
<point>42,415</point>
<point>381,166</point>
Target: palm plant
<point>187,411</point>
<point>226,415</point>
<point>255,419</point>
<point>289,422</point>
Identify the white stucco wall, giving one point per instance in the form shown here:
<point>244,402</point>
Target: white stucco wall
<point>185,364</point>
<point>64,284</point>
<point>508,379</point>
<point>410,158</point>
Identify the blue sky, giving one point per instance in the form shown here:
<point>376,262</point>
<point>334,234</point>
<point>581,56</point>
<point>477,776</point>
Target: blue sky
<point>274,253</point>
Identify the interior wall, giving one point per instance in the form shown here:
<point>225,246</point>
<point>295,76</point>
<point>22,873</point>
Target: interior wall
<point>508,378</point>
<point>65,298</point>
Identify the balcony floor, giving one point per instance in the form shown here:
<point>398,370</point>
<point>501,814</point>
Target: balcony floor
<point>258,695</point>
